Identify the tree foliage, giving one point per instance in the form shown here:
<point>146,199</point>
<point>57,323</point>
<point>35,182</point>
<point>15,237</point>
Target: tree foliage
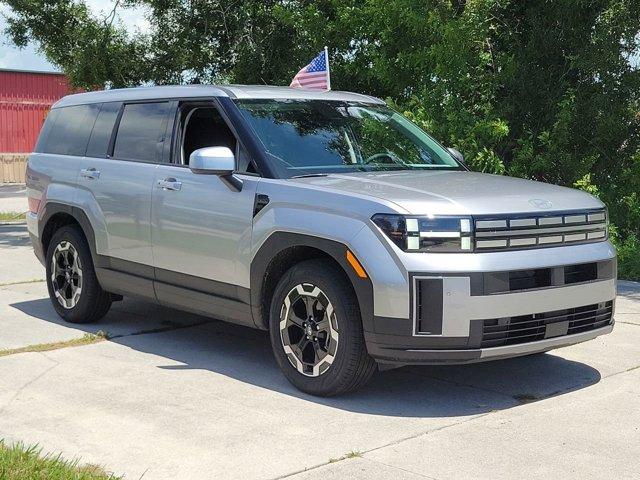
<point>539,89</point>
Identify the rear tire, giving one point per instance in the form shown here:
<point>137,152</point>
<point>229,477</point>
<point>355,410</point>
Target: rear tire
<point>316,330</point>
<point>73,286</point>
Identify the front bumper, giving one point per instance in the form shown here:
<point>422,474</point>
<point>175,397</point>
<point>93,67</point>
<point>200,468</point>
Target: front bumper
<point>473,327</point>
<point>387,354</point>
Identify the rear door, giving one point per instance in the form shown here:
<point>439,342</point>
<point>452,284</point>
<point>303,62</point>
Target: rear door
<point>118,175</point>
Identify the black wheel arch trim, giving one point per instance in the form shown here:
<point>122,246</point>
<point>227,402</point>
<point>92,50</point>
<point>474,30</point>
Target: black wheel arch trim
<point>53,208</point>
<point>280,241</point>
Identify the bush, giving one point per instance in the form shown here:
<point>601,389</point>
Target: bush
<point>628,257</point>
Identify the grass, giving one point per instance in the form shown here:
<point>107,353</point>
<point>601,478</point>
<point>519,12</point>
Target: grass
<point>352,454</point>
<point>12,216</point>
<point>18,462</point>
<point>86,339</point>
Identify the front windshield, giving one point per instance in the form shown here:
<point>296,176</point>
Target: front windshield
<point>307,137</point>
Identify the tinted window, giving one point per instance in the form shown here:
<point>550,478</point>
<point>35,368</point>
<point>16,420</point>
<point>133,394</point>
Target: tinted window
<point>102,129</point>
<point>141,131</point>
<point>69,134</point>
<point>49,122</point>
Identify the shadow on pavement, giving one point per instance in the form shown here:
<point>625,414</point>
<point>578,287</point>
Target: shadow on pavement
<point>14,236</point>
<point>12,190</point>
<point>245,355</point>
<point>629,290</point>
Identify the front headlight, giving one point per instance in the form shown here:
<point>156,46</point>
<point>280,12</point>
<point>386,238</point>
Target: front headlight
<point>436,234</point>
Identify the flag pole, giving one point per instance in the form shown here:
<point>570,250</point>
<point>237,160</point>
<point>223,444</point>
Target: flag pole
<point>326,59</point>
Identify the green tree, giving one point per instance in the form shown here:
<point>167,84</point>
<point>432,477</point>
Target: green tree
<point>548,90</point>
<point>93,52</point>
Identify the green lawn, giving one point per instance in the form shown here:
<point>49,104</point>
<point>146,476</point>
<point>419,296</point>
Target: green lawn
<point>12,216</point>
<point>18,462</point>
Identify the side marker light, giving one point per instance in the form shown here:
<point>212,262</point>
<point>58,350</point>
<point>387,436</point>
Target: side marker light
<point>355,264</point>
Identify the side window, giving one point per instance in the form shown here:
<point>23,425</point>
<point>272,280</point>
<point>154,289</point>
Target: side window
<point>102,129</point>
<point>69,134</point>
<point>141,131</point>
<point>204,127</point>
<point>244,161</point>
<point>49,122</point>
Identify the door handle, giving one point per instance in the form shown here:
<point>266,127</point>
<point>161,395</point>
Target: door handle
<point>90,173</point>
<point>170,184</point>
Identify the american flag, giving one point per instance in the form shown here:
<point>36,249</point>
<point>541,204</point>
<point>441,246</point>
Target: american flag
<point>315,75</point>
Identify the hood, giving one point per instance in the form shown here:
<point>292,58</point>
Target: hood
<point>456,192</point>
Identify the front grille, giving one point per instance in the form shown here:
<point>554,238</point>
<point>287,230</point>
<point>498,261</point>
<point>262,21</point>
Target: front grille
<point>497,233</point>
<point>497,332</point>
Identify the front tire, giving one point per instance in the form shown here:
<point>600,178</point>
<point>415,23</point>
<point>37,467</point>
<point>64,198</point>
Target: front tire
<point>73,287</point>
<point>316,330</point>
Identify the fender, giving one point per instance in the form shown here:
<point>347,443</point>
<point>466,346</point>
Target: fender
<point>280,241</point>
<point>118,277</point>
<point>52,208</point>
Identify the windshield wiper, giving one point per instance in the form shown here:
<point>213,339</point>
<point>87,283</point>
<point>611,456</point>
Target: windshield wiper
<point>308,175</point>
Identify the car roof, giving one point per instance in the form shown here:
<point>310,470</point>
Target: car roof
<point>205,91</point>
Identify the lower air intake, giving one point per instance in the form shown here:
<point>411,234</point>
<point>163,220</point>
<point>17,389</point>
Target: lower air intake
<point>498,332</point>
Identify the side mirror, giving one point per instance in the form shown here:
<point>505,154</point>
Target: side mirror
<point>212,161</point>
<point>216,161</point>
<point>455,153</point>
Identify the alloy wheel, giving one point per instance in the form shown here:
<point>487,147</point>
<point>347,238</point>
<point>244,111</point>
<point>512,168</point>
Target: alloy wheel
<point>309,330</point>
<point>66,274</point>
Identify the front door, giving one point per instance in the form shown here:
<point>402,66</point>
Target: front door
<point>201,227</point>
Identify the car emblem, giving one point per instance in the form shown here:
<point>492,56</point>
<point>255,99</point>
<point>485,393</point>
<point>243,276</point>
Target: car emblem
<point>540,203</point>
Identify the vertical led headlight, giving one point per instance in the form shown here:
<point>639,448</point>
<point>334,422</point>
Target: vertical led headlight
<point>427,233</point>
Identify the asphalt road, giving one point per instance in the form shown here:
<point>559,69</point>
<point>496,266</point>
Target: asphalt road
<point>178,396</point>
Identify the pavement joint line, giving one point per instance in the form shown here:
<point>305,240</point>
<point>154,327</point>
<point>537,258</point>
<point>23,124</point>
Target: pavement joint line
<point>20,282</point>
<point>390,444</point>
<point>166,328</point>
<point>90,339</point>
<point>86,339</point>
<point>630,369</point>
<point>477,417</point>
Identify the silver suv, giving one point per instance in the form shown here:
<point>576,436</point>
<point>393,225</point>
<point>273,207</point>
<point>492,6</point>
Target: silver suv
<point>327,218</point>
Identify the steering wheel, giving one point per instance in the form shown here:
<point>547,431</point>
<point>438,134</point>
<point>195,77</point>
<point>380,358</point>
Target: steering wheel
<point>377,156</point>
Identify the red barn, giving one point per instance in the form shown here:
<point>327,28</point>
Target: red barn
<point>25,99</point>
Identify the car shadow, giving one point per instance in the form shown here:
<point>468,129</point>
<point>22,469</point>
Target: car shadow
<point>192,342</point>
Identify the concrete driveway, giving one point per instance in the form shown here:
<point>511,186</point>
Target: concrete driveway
<point>13,198</point>
<point>178,396</point>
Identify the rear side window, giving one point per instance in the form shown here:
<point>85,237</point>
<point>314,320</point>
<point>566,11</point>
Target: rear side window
<point>69,133</point>
<point>102,129</point>
<point>141,131</point>
<point>46,130</point>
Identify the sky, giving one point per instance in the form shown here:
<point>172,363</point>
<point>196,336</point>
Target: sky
<point>30,59</point>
